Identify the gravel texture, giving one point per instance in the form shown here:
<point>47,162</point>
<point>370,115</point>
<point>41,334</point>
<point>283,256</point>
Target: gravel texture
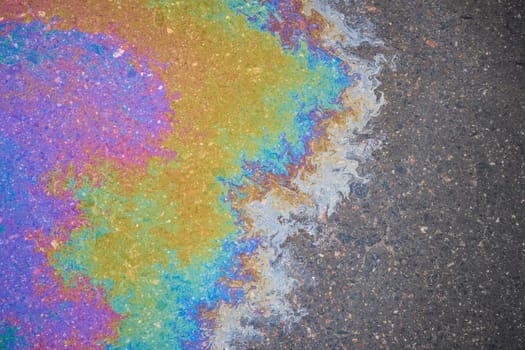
<point>431,254</point>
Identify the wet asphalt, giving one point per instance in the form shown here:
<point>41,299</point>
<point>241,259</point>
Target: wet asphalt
<point>430,253</point>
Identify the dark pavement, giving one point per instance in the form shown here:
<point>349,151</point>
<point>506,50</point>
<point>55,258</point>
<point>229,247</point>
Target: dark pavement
<point>431,255</point>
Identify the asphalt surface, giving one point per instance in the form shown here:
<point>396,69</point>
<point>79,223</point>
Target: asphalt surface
<point>431,253</point>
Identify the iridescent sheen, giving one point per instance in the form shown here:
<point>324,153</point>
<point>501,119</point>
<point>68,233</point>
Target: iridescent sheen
<point>135,138</point>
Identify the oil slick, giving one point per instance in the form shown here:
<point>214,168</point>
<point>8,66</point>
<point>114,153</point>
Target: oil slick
<point>156,155</point>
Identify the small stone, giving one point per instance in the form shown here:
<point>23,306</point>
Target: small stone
<point>401,170</point>
<point>432,43</point>
<point>118,53</point>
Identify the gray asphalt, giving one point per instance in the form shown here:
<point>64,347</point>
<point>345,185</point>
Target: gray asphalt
<point>431,255</point>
